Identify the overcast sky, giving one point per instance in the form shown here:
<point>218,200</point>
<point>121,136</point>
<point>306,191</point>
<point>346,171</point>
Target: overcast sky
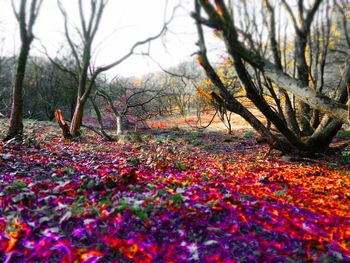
<point>124,23</point>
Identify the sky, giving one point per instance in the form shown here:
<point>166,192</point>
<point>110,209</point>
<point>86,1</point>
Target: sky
<point>123,24</point>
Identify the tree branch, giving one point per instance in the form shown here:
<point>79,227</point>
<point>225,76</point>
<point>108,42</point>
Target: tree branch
<point>66,30</point>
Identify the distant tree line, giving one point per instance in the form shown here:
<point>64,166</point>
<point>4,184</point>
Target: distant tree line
<point>47,87</point>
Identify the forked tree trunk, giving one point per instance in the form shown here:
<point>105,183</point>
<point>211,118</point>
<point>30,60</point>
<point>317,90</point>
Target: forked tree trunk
<point>290,114</point>
<point>82,53</point>
<point>288,110</point>
<point>117,114</point>
<point>304,115</point>
<point>324,134</point>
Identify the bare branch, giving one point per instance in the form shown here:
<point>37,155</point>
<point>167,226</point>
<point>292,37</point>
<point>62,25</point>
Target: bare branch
<point>15,11</point>
<point>82,18</point>
<point>98,18</point>
<point>292,16</point>
<point>66,31</point>
<point>58,65</point>
<point>131,52</point>
<point>34,11</point>
<point>311,14</point>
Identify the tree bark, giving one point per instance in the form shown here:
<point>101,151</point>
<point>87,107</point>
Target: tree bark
<point>26,34</point>
<point>16,121</point>
<point>317,101</point>
<point>303,109</point>
<point>119,125</point>
<point>117,114</point>
<point>89,25</point>
<point>77,119</point>
<point>335,109</point>
<point>225,98</point>
<point>324,134</point>
<point>283,95</point>
<point>62,123</point>
<point>320,102</point>
<point>100,120</point>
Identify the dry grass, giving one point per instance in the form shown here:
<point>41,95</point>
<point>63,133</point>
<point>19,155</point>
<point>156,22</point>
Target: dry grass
<point>190,122</point>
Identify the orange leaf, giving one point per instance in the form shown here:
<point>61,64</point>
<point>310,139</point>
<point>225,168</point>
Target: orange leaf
<point>11,244</point>
<point>131,251</point>
<point>86,256</point>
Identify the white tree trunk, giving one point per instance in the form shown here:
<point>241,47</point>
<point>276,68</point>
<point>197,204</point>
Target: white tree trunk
<point>119,125</point>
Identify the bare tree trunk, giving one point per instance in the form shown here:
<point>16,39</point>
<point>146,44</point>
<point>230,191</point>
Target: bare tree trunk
<point>324,134</point>
<point>286,102</point>
<point>218,17</point>
<point>89,25</point>
<point>290,114</point>
<point>77,119</point>
<point>119,125</point>
<point>26,34</point>
<point>315,119</point>
<point>304,115</point>
<point>303,109</point>
<point>117,114</point>
<point>16,122</point>
<point>302,28</point>
<point>100,120</point>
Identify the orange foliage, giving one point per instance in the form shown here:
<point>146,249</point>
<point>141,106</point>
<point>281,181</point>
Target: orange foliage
<point>14,235</point>
<point>204,94</point>
<point>91,254</point>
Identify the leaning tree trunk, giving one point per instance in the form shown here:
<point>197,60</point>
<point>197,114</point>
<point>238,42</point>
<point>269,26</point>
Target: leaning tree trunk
<point>100,120</point>
<point>16,119</point>
<point>220,19</point>
<point>117,114</point>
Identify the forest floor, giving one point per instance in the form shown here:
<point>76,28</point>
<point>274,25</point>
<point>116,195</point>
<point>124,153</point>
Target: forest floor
<point>169,196</point>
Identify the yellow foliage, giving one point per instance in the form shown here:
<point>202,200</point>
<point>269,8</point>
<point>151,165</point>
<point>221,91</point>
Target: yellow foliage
<point>138,83</point>
<point>204,94</point>
<point>334,27</point>
<point>208,83</point>
<point>336,32</point>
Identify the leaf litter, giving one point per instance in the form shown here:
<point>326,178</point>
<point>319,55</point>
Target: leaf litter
<point>167,199</point>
